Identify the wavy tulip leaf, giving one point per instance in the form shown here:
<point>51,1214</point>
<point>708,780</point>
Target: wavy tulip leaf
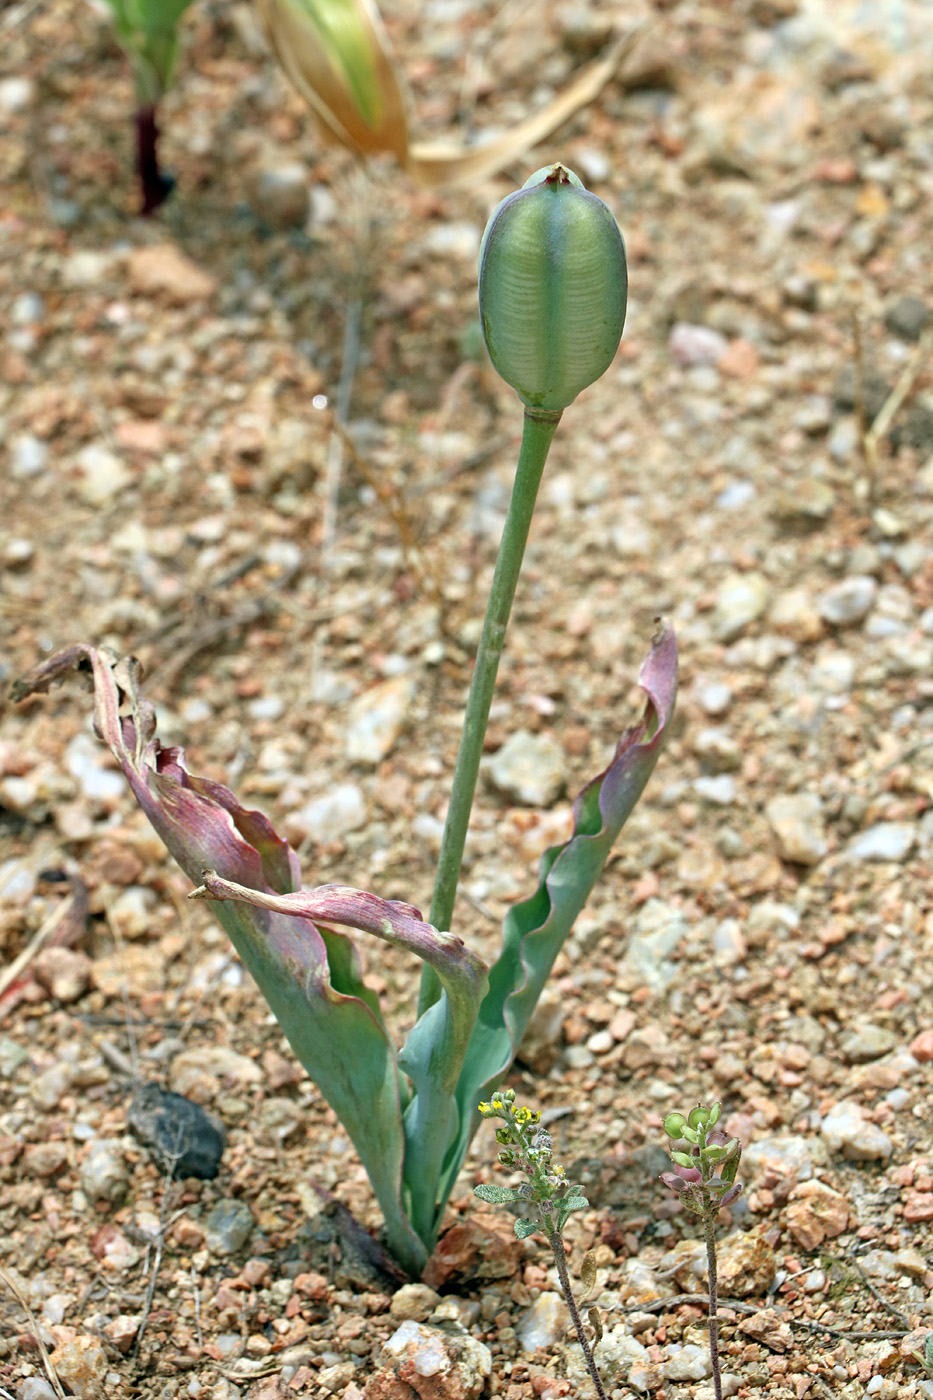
<point>310,977</point>
<point>536,929</point>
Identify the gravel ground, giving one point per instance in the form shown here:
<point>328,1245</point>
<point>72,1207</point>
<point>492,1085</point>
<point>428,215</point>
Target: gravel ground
<point>763,934</point>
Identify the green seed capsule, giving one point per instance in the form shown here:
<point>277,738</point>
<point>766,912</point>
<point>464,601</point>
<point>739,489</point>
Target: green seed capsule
<point>674,1125</point>
<point>552,288</point>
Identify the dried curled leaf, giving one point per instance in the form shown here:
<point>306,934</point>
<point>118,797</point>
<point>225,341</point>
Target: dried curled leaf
<point>588,1274</point>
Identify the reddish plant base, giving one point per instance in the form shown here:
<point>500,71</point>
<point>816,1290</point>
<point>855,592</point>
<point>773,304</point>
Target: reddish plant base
<point>155,185</point>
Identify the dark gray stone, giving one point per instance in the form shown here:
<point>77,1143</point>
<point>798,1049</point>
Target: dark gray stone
<point>908,318</point>
<point>183,1138</point>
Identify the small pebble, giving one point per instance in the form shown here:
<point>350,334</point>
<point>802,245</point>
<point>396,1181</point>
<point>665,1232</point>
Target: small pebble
<point>845,1129</point>
<point>528,768</point>
<point>104,1175</point>
<point>689,1363</point>
<point>375,720</point>
<point>908,318</point>
<point>12,1056</point>
<point>742,599</point>
<point>102,476</point>
<point>544,1324</point>
<point>65,972</point>
<point>797,822</point>
<point>414,1301</point>
<point>691,345</point>
<point>16,93</point>
<point>719,791</point>
<point>848,602</point>
<point>886,841</point>
<point>82,1365</point>
<point>280,194</point>
<point>28,456</point>
<point>714,698</point>
<point>50,1087</point>
<point>463,1363</point>
<point>335,814</point>
<point>866,1043</point>
<point>36,1388</point>
<point>228,1226</point>
<point>717,751</point>
<point>132,910</point>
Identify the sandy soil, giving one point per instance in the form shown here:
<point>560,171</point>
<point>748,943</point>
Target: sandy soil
<point>764,932</point>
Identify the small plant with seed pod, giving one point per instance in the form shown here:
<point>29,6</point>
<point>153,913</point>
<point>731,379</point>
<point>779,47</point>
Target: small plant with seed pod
<point>552,303</point>
<point>551,1198</point>
<point>705,1163</point>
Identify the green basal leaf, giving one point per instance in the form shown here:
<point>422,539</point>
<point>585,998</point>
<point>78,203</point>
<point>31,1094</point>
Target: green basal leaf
<point>524,1228</point>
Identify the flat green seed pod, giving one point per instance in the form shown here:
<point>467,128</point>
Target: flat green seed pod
<point>553,287</point>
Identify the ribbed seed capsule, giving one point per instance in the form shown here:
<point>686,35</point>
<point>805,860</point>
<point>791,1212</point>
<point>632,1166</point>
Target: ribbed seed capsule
<point>552,288</point>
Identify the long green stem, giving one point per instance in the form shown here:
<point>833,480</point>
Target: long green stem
<point>537,435</point>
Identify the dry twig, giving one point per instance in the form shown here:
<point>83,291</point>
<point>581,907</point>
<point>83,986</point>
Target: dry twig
<point>157,1262</point>
<point>871,437</point>
<point>73,906</point>
<point>20,1297</point>
<point>736,1304</point>
<point>873,1290</point>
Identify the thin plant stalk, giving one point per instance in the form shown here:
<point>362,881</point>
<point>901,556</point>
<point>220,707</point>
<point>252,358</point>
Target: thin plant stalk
<point>556,1242</point>
<point>552,1197</point>
<point>537,435</point>
<point>709,1229</point>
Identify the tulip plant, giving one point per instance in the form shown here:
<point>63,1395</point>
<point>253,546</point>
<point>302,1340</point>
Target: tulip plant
<point>552,302</point>
<point>705,1166</point>
<point>147,31</point>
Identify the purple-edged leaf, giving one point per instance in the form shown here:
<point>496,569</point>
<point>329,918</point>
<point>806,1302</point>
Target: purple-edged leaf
<point>535,930</point>
<point>433,1053</point>
<point>462,973</point>
<point>684,1176</point>
<point>309,976</point>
